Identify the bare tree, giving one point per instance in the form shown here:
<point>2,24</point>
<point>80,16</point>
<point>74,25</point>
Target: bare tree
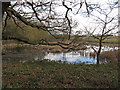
<point>106,24</point>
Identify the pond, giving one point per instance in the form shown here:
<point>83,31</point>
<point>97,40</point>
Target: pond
<point>81,56</point>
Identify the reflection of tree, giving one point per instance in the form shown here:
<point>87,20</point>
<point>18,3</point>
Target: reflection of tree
<point>64,57</point>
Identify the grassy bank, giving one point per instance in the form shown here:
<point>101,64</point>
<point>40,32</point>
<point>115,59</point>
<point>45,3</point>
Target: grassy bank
<point>25,33</point>
<point>15,46</point>
<point>50,74</point>
<point>109,40</point>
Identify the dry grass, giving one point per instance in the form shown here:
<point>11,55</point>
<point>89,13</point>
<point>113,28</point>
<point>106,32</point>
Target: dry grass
<point>109,56</point>
<point>14,46</point>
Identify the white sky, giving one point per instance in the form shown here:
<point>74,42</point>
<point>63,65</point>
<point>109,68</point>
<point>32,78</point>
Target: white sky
<point>80,18</point>
<point>89,21</point>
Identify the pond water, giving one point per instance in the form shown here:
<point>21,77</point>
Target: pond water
<point>71,57</point>
<point>81,56</point>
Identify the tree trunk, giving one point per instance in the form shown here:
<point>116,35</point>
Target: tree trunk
<point>98,56</point>
<point>99,51</point>
<point>5,5</point>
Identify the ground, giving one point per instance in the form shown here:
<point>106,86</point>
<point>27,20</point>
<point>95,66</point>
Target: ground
<point>50,74</point>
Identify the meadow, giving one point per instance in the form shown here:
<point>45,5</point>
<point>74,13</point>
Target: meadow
<point>51,74</point>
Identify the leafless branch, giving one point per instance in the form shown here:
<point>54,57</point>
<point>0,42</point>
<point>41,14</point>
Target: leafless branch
<point>66,16</point>
<point>94,49</point>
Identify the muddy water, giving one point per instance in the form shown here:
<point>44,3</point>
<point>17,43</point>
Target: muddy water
<point>81,56</point>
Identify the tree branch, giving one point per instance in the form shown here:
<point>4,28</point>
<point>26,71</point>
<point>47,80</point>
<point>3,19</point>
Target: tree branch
<point>66,16</point>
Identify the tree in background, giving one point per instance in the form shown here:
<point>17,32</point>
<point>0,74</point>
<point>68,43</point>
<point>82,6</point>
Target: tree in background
<point>106,24</point>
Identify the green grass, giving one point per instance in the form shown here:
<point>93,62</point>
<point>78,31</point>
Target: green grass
<point>114,41</point>
<point>109,39</point>
<point>29,34</point>
<point>51,74</point>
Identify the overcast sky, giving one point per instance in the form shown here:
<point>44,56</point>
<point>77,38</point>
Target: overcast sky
<point>81,18</point>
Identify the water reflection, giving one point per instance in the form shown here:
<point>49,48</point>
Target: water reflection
<point>71,57</point>
<point>81,56</point>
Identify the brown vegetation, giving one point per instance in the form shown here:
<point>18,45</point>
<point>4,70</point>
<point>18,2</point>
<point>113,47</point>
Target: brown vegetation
<point>108,55</point>
<point>12,46</point>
